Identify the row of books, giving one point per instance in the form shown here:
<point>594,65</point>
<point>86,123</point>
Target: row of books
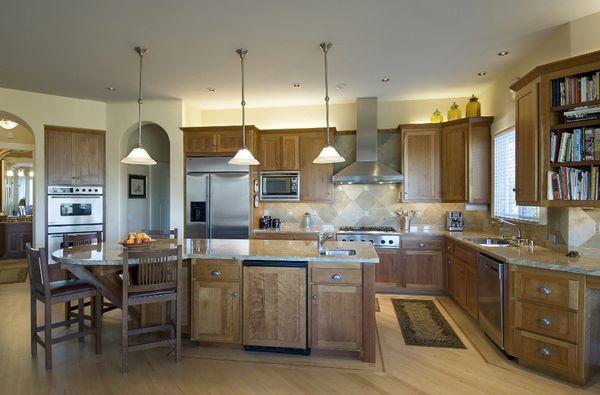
<point>583,113</point>
<point>568,183</point>
<point>571,90</point>
<point>575,146</point>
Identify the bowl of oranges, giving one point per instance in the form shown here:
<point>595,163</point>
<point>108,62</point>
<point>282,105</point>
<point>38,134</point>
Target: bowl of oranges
<point>136,240</point>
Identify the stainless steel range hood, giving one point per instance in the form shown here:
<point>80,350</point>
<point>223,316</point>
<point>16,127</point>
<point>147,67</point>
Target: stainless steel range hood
<point>366,169</point>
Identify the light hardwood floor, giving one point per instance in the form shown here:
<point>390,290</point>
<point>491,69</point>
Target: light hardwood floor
<point>406,370</point>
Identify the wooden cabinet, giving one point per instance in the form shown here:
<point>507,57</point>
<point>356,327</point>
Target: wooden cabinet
<point>471,290</point>
<point>275,306</point>
<point>74,156</point>
<point>388,272</point>
<point>423,269</point>
<point>461,271</point>
<point>13,238</point>
<point>216,140</point>
<point>316,183</point>
<point>336,317</point>
<point>421,163</point>
<point>216,299</point>
<point>527,184</point>
<point>466,160</point>
<point>279,151</point>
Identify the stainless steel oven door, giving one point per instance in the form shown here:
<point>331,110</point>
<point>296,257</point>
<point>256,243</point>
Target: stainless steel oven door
<point>75,210</point>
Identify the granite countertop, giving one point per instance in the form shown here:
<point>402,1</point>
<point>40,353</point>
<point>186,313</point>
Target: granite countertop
<point>295,228</point>
<point>267,250</point>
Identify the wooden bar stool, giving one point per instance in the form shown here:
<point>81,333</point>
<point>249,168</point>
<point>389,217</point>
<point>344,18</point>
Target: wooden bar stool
<point>158,280</point>
<point>50,293</point>
<point>161,234</point>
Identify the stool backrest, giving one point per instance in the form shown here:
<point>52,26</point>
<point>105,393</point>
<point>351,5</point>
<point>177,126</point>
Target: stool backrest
<point>161,234</point>
<point>37,262</point>
<point>158,270</point>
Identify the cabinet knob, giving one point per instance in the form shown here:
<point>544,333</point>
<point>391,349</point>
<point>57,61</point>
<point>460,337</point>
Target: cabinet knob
<point>314,297</point>
<point>449,261</point>
<point>545,351</point>
<point>545,321</point>
<point>216,273</point>
<point>545,290</point>
<point>336,277</point>
<point>421,245</point>
<point>235,294</point>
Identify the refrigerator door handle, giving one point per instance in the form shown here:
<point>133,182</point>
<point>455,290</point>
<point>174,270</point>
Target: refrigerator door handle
<point>209,208</point>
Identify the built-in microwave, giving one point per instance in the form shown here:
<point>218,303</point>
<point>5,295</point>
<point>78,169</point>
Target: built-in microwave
<point>280,185</point>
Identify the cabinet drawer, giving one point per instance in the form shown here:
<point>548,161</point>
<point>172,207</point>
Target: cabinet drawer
<point>547,354</point>
<point>465,254</point>
<point>548,321</point>
<point>337,276</point>
<point>207,270</point>
<point>542,286</point>
<point>423,244</point>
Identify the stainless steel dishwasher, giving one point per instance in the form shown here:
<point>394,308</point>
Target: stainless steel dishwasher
<point>490,299</point>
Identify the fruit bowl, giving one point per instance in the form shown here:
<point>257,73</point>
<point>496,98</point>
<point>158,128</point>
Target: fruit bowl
<point>136,240</point>
<point>134,246</point>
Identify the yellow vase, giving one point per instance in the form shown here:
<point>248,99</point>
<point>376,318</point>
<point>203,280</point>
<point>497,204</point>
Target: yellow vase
<point>473,107</point>
<point>454,112</point>
<point>437,117</point>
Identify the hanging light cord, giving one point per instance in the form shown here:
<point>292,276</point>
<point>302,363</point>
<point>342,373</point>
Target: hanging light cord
<point>325,46</point>
<point>141,51</point>
<point>242,52</point>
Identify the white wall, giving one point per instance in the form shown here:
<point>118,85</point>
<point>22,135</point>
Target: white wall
<point>37,110</point>
<point>121,120</point>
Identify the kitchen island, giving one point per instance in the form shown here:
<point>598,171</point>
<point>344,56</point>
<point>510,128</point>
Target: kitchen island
<point>272,295</point>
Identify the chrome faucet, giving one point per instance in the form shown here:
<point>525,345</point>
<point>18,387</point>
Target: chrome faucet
<point>322,238</point>
<point>513,224</point>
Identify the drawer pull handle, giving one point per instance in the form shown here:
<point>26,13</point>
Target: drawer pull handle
<point>545,321</point>
<point>235,294</point>
<point>215,273</point>
<point>314,297</point>
<point>449,261</point>
<point>545,290</point>
<point>336,277</point>
<point>545,351</point>
<point>421,245</point>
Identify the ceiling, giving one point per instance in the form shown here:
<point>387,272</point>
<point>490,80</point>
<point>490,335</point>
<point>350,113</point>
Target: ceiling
<point>428,48</point>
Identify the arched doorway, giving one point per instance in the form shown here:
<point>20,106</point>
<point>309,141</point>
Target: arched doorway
<point>148,187</point>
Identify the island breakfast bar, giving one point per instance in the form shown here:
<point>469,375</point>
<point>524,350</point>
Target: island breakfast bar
<point>262,295</point>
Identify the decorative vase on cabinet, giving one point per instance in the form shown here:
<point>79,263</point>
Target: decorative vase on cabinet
<point>454,112</point>
<point>473,107</point>
<point>437,117</point>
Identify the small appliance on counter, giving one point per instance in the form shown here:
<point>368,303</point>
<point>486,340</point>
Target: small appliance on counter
<point>455,221</point>
<point>265,222</point>
<point>307,221</point>
<point>275,223</point>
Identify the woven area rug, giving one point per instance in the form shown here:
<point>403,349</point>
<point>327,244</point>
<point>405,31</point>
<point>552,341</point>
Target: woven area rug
<point>422,324</point>
<point>13,271</point>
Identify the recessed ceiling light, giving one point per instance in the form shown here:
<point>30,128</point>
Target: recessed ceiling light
<point>481,73</point>
<point>111,88</point>
<point>386,79</point>
<point>296,85</point>
<point>503,53</point>
<point>210,89</point>
<point>341,86</point>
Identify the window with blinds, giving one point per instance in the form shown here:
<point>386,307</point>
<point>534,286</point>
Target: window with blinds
<point>504,204</point>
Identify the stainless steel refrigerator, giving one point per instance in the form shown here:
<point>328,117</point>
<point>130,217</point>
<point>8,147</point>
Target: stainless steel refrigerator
<point>217,199</point>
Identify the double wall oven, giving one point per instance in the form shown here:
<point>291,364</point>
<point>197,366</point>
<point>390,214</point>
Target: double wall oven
<point>73,210</point>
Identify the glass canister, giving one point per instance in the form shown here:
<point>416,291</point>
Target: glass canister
<point>454,112</point>
<point>473,107</point>
<point>437,117</point>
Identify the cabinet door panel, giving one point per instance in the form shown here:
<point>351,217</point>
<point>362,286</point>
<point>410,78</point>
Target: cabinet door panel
<point>421,165</point>
<point>228,142</point>
<point>290,147</point>
<point>451,275</point>
<point>388,270</point>
<point>88,158</point>
<point>216,311</point>
<point>337,317</point>
<point>198,143</point>
<point>270,152</point>
<point>471,291</point>
<point>527,135</point>
<point>424,269</point>
<point>454,163</point>
<point>59,158</point>
<point>315,179</point>
<point>275,306</point>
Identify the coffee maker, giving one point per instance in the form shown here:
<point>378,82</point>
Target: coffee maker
<point>455,221</point>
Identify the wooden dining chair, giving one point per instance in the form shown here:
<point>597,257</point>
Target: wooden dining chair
<point>162,234</point>
<point>158,280</point>
<point>50,293</point>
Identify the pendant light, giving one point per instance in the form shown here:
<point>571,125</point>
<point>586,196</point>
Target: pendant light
<point>8,124</point>
<point>243,156</point>
<point>138,155</point>
<point>328,154</point>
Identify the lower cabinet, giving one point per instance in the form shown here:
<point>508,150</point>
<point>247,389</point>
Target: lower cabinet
<point>388,272</point>
<point>462,277</point>
<point>423,269</point>
<point>216,307</point>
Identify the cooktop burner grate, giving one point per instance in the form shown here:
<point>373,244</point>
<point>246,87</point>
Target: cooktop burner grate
<point>367,229</point>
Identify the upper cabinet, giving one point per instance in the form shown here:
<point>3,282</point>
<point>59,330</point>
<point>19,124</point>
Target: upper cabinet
<point>421,163</point>
<point>74,156</point>
<point>278,151</point>
<point>316,184</point>
<point>216,140</point>
<point>527,188</point>
<point>466,160</point>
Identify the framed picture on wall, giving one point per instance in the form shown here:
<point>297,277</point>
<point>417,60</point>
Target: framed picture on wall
<point>137,186</point>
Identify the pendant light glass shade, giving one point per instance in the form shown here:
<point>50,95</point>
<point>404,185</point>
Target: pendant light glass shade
<point>138,155</point>
<point>243,157</point>
<point>8,124</point>
<point>328,154</point>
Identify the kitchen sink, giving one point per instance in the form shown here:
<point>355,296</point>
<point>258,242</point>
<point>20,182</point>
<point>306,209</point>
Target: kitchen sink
<point>338,252</point>
<point>490,241</point>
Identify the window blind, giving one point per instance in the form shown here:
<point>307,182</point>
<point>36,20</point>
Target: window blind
<point>505,205</point>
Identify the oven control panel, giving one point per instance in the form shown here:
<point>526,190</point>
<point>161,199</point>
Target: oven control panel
<point>378,240</point>
<point>77,190</point>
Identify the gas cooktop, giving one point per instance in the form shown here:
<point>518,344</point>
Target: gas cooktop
<point>363,229</point>
<point>379,236</point>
